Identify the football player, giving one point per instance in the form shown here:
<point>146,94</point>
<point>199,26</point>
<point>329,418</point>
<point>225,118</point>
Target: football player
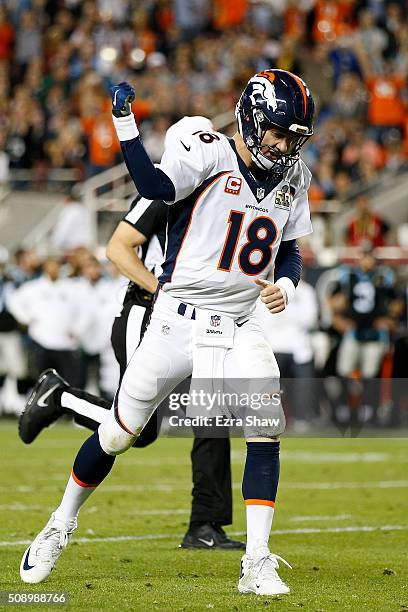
<point>367,299</point>
<point>143,229</point>
<point>368,291</point>
<point>237,207</point>
<point>137,247</point>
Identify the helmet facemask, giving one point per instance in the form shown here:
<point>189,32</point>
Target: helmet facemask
<point>253,139</point>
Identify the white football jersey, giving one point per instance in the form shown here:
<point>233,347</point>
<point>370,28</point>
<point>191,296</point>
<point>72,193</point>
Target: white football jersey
<point>224,227</point>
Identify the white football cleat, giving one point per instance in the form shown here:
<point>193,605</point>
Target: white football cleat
<point>41,556</point>
<point>259,575</point>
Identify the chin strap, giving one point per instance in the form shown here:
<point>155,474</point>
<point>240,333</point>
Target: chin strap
<point>263,165</point>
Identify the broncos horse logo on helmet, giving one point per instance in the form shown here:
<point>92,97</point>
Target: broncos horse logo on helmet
<point>275,99</point>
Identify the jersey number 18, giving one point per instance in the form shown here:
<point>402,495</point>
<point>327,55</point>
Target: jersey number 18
<point>261,236</point>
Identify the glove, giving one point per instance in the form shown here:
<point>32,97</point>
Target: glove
<point>122,97</point>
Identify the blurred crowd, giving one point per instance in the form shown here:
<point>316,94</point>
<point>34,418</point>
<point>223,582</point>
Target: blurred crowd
<point>58,312</point>
<point>346,323</point>
<point>193,57</point>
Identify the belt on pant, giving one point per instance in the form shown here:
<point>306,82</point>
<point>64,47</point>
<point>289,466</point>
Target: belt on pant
<point>185,310</point>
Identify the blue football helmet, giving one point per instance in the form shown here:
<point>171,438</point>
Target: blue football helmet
<point>275,99</point>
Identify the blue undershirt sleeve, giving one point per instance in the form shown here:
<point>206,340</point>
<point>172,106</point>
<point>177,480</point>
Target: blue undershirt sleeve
<point>288,262</point>
<point>151,182</point>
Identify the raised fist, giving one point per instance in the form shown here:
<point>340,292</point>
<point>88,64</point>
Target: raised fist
<point>123,95</point>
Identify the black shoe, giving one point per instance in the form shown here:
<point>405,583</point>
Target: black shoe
<point>210,536</point>
<point>225,542</point>
<point>40,410</point>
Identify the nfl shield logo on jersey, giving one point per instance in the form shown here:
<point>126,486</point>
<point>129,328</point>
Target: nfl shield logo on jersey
<point>284,197</point>
<point>260,193</point>
<point>215,320</point>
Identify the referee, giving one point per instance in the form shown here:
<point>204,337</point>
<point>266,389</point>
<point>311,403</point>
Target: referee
<point>137,248</point>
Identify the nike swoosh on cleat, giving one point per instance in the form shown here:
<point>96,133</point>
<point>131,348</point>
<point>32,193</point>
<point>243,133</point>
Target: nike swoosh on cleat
<point>208,543</point>
<point>41,400</point>
<point>243,323</point>
<point>26,565</point>
<point>114,97</point>
<point>185,146</point>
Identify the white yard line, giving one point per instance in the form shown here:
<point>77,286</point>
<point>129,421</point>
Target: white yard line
<point>381,484</point>
<point>322,457</point>
<point>171,486</point>
<point>16,507</point>
<point>349,529</point>
<point>171,536</point>
<point>325,457</point>
<point>237,456</point>
<point>318,517</point>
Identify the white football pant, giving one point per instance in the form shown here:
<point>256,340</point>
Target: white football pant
<point>164,358</point>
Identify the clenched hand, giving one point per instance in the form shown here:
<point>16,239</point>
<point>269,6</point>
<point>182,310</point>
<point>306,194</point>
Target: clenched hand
<point>272,296</point>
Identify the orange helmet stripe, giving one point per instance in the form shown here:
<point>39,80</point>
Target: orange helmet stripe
<point>267,74</point>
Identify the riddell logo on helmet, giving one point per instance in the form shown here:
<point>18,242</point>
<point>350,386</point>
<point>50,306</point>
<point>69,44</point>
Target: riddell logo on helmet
<point>233,185</point>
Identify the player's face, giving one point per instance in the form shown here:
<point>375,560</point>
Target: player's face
<point>277,142</point>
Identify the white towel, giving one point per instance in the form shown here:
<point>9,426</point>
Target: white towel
<point>213,336</point>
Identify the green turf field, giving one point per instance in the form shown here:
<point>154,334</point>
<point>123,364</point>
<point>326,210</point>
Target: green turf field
<point>341,521</point>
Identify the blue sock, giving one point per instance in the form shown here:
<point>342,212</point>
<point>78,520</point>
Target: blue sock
<point>259,486</point>
<point>92,464</point>
<point>261,475</point>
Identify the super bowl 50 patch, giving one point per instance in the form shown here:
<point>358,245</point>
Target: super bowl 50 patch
<point>284,197</point>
